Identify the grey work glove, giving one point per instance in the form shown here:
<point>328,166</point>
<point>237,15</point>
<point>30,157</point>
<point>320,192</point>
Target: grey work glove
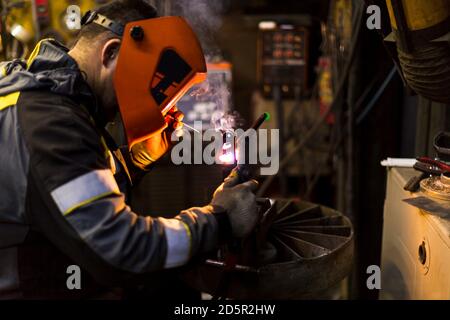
<point>239,201</point>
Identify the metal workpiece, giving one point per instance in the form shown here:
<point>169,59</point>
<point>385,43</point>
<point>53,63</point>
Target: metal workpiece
<point>435,195</point>
<point>437,187</point>
<point>299,250</point>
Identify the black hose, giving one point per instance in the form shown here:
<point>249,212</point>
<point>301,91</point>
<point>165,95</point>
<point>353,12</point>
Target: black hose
<point>427,70</point>
<point>376,96</point>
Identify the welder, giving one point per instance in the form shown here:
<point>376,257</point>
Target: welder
<point>64,184</point>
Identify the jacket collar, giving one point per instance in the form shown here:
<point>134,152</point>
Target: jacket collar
<point>50,67</point>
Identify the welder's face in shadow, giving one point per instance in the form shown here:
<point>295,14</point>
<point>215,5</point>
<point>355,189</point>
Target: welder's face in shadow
<point>109,55</point>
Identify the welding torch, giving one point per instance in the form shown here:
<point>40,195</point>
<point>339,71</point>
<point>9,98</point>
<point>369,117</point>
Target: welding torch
<point>184,124</point>
<point>243,170</point>
<point>234,246</point>
<point>264,117</point>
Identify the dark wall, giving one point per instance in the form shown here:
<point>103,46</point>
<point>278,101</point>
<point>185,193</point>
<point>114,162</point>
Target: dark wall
<point>375,137</point>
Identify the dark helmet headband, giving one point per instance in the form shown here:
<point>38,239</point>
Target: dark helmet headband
<point>94,17</point>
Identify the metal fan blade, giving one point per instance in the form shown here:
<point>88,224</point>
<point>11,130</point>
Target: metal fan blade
<point>284,251</point>
<point>309,213</point>
<point>325,221</point>
<point>334,230</point>
<point>304,248</point>
<point>285,208</point>
<point>324,240</point>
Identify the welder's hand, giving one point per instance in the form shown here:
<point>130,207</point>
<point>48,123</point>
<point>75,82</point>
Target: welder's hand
<point>239,201</point>
<point>152,149</point>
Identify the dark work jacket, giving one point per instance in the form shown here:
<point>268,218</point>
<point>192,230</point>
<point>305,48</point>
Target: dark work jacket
<point>62,191</point>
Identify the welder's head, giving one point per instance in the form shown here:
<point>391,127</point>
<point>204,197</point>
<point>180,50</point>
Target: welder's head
<point>138,62</point>
<point>98,47</point>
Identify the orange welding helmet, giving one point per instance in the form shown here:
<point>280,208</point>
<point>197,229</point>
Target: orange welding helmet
<point>159,60</point>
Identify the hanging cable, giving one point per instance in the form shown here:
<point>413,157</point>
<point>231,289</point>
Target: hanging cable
<point>376,97</point>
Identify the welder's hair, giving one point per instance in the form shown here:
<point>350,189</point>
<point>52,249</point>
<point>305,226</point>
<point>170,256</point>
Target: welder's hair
<point>123,11</point>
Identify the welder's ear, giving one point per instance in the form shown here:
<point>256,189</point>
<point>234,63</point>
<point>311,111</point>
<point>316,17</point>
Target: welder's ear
<point>110,52</point>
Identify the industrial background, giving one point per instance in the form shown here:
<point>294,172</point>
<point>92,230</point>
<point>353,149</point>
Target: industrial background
<point>344,97</point>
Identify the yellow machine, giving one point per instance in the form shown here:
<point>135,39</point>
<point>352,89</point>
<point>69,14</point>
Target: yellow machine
<point>417,22</point>
<point>421,14</point>
<point>28,21</point>
<point>420,29</point>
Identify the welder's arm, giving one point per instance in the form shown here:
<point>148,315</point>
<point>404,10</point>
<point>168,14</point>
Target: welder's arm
<point>78,205</point>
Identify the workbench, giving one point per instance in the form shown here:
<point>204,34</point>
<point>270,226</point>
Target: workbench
<point>415,248</point>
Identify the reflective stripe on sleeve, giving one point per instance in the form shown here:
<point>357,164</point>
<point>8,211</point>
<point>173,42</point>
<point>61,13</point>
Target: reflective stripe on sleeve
<point>85,189</point>
<point>178,242</point>
<point>9,100</point>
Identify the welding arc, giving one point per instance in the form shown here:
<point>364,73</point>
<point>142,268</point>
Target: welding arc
<point>336,102</point>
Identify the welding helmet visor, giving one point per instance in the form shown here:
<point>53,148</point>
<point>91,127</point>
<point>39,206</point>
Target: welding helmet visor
<point>159,60</point>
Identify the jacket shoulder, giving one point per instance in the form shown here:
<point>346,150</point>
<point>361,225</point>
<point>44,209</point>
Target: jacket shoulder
<point>61,137</point>
<point>36,102</point>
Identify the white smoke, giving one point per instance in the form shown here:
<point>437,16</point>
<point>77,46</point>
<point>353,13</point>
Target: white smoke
<point>205,18</point>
